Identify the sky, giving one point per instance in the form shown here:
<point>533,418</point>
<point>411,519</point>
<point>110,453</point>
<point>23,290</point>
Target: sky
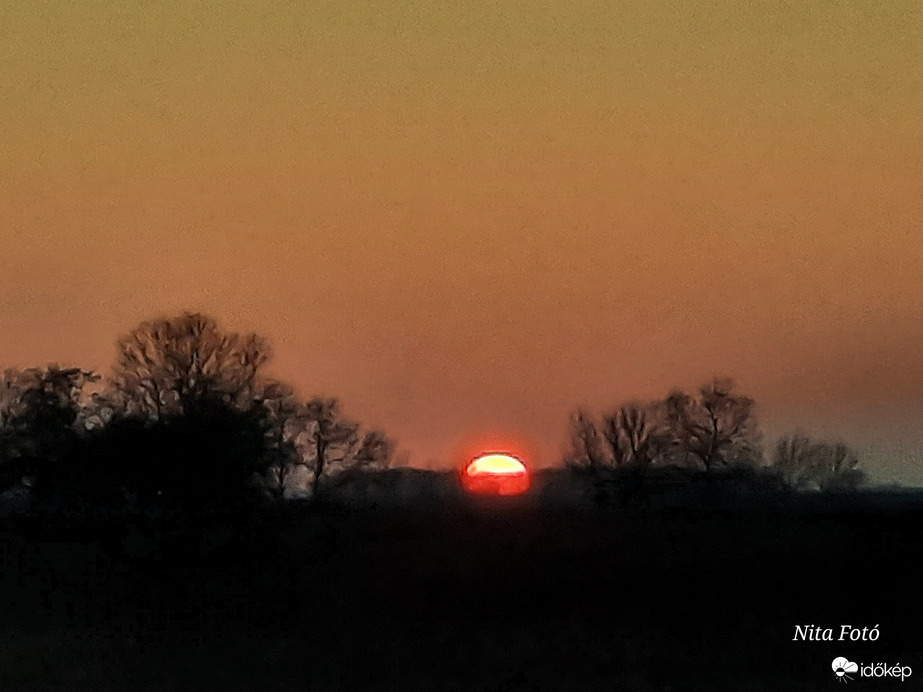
<point>467,219</point>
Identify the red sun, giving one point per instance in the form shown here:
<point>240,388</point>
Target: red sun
<point>496,474</point>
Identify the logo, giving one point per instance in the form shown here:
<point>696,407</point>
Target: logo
<point>841,667</point>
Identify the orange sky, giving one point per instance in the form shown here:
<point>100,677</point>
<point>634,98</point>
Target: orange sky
<point>467,221</point>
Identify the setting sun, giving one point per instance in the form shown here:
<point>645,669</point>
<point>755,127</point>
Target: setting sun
<point>496,474</point>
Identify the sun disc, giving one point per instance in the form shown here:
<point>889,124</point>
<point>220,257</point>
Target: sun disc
<point>496,474</point>
<point>496,463</point>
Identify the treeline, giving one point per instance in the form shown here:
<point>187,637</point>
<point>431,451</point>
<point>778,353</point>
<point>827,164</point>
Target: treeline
<point>186,423</point>
<point>712,430</point>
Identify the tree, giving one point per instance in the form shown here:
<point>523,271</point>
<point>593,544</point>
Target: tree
<point>337,444</point>
<point>188,422</point>
<point>287,428</point>
<point>804,463</point>
<point>631,433</point>
<point>38,411</point>
<point>166,366</point>
<point>587,449</point>
<point>375,451</point>
<point>718,428</point>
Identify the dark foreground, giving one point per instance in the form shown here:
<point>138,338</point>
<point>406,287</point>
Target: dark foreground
<point>497,596</point>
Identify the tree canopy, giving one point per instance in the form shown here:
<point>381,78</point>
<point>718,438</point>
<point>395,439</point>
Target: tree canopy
<point>187,421</point>
<point>38,411</point>
<point>168,365</point>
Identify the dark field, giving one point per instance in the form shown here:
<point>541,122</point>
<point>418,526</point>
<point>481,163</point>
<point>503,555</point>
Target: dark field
<point>474,596</point>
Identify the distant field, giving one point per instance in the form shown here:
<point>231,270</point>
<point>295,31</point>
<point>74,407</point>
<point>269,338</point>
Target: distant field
<point>474,596</point>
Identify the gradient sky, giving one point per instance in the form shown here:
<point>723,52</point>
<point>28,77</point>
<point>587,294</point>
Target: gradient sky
<point>467,221</point>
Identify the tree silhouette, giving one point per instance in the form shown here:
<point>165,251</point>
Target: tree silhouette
<point>337,444</point>
<point>287,430</point>
<point>38,411</point>
<point>184,424</point>
<point>717,428</point>
<point>631,433</point>
<point>803,463</point>
<point>375,451</point>
<point>586,445</point>
<point>167,365</point>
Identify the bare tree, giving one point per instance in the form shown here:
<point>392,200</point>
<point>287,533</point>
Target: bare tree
<point>630,432</point>
<point>167,365</point>
<point>337,443</point>
<point>791,459</point>
<point>375,451</point>
<point>717,428</point>
<point>587,450</point>
<point>198,396</point>
<point>287,425</point>
<point>804,463</point>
